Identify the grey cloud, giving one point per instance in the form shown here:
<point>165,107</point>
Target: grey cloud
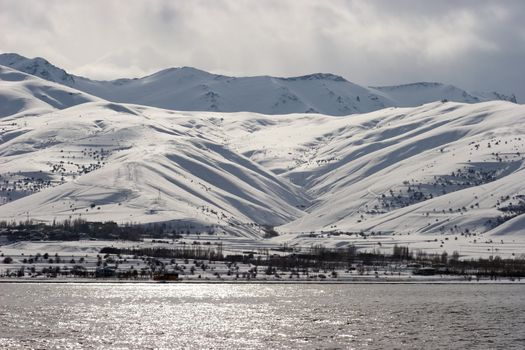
<point>478,45</point>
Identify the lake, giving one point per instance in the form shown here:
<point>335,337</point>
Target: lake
<point>261,316</point>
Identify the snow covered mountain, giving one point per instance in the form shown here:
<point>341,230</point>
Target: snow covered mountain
<point>443,169</point>
<point>416,94</point>
<point>102,160</point>
<point>190,89</point>
<point>438,168</point>
<point>36,66</point>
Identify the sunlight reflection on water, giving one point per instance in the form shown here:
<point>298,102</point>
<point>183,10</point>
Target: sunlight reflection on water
<point>219,316</point>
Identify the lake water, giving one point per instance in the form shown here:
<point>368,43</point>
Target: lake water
<point>261,316</point>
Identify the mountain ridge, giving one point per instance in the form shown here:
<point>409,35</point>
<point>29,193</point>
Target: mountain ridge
<point>192,89</point>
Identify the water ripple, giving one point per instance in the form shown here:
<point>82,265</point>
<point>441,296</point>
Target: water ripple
<point>212,316</point>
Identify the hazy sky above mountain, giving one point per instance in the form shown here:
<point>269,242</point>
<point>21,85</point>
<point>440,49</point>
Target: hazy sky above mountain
<point>477,45</point>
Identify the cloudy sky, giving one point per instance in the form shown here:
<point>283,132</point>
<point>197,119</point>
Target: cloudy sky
<point>477,45</point>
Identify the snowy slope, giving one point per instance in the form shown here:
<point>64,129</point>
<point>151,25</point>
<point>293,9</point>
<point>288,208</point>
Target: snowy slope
<point>20,92</point>
<point>191,89</point>
<point>438,168</point>
<point>103,161</point>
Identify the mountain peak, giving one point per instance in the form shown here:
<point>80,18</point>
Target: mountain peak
<point>11,58</point>
<point>317,76</point>
<point>37,66</point>
<point>178,71</point>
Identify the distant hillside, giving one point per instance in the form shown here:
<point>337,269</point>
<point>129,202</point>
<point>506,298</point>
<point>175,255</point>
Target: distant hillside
<point>190,89</point>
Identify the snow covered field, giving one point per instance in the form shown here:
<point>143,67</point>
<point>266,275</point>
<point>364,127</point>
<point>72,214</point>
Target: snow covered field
<point>61,260</point>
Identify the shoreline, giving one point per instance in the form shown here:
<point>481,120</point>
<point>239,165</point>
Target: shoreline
<point>345,282</point>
